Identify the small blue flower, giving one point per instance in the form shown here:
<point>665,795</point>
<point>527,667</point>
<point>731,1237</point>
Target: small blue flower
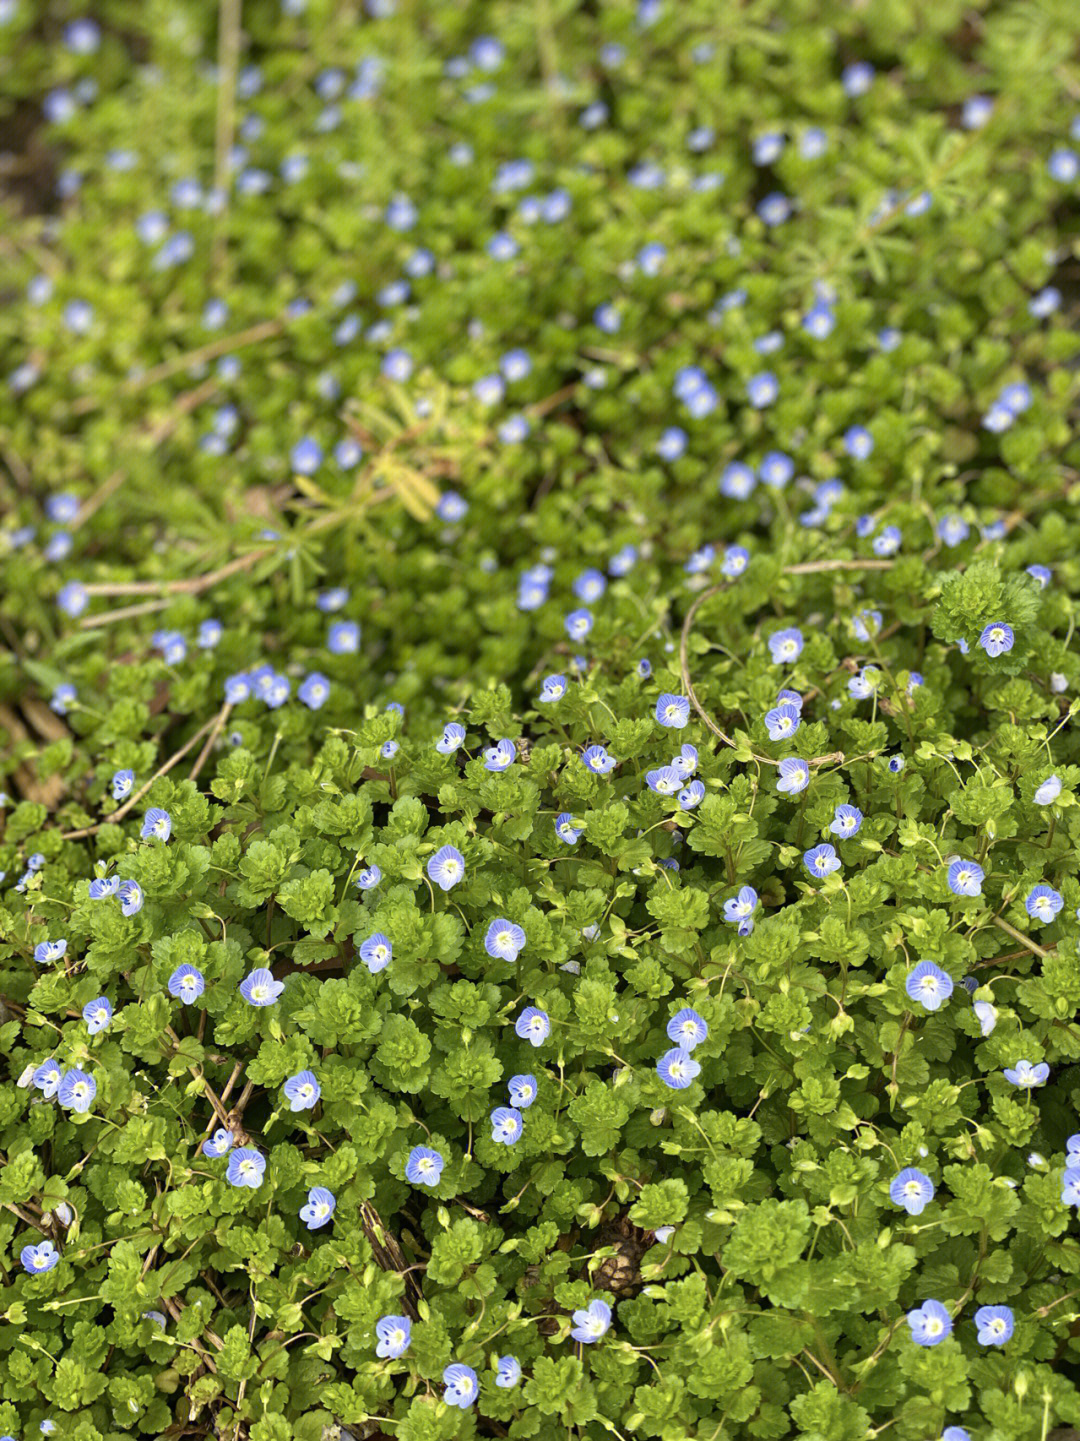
<point>186,984</point>
<point>394,1334</point>
<point>783,721</point>
<point>1025,1075</point>
<point>866,623</point>
<point>672,710</point>
<point>1048,791</point>
<point>913,1190</point>
<point>930,1323</point>
<point>38,1259</point>
<point>953,530</point>
<point>462,1386</point>
<point>97,1015</point>
<point>1043,904</point>
<point>1041,574</point>
<point>687,1029</point>
<point>77,1091</point>
<point>62,697</point>
<point>452,737</point>
<point>103,887</point>
<point>533,1026</point>
<point>389,750</point>
<point>929,985</point>
<point>508,1373</point>
<point>786,646</point>
<point>131,898</point>
<point>219,1143</point>
<point>737,482</point>
<point>858,442</point>
<point>446,868</point>
<point>376,952</point>
<point>522,1091</point>
<point>259,988</point>
<point>343,638</point>
<point>846,821</point>
<point>566,831</point>
<point>246,1168</point>
<point>1070,1186</point>
<point>686,761</point>
<point>504,940</point>
<point>597,760</point>
<point>47,951</point>
<point>965,878</point>
<point>666,781</point>
<point>321,1204</point>
<point>591,1323</point>
<point>794,776</point>
<point>997,638</point>
<point>424,1166</point>
<point>578,624</point>
<point>995,1325</point>
<point>735,560</point>
<point>739,909</point>
<point>762,389</point>
<point>776,469</point>
<point>157,825</point>
<point>237,688</point>
<point>692,795</point>
<point>677,1068</point>
<point>302,1091</point>
<point>506,1125</point>
<point>315,690</point>
<point>369,878</point>
<point>821,860</point>
<point>500,756</point>
<point>986,1015</point>
<point>122,783</point>
<point>553,689</point>
<point>47,1078</point>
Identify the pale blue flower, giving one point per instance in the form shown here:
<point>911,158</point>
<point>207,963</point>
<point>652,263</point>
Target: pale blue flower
<point>591,1323</point>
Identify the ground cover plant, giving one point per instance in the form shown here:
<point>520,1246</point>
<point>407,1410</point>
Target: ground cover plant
<point>537,681</point>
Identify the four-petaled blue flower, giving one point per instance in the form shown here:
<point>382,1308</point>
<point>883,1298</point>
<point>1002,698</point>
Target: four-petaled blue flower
<point>500,756</point>
<point>504,940</point>
<point>446,868</point>
<point>315,690</point>
<point>783,721</point>
<point>677,1068</point>
<point>597,760</point>
<point>508,1372</point>
<point>552,689</point>
<point>186,984</point>
<point>507,1124</point>
<point>46,951</point>
<point>565,829</point>
<point>533,1026</point>
<point>911,1189</point>
<point>1025,1074</point>
<point>122,783</point>
<point>376,952</point>
<point>39,1258</point>
<point>930,1323</point>
<point>591,1323</point>
<point>994,1324</point>
<point>462,1386</point>
<point>103,886</point>
<point>687,1029</point>
<point>794,776</point>
<point>665,782</point>
<point>219,1143</point>
<point>739,910</point>
<point>692,795</point>
<point>578,624</point>
<point>424,1166</point>
<point>997,638</point>
<point>302,1091</point>
<point>1048,791</point>
<point>76,1091</point>
<point>319,1208</point>
<point>1043,904</point>
<point>259,988</point>
<point>393,1334</point>
<point>157,825</point>
<point>965,878</point>
<point>522,1091</point>
<point>786,646</point>
<point>929,985</point>
<point>846,821</point>
<point>131,897</point>
<point>97,1015</point>
<point>673,710</point>
<point>246,1168</point>
<point>821,860</point>
<point>369,878</point>
<point>452,737</point>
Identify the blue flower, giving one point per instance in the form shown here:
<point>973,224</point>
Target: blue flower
<point>186,984</point>
<point>302,1091</point>
<point>986,1015</point>
<point>858,442</point>
<point>553,689</point>
<point>578,624</point>
<point>103,887</point>
<point>1070,1185</point>
<point>462,1386</point>
<point>1025,1075</point>
<point>566,830</point>
<point>997,638</point>
<point>591,1323</point>
<point>953,529</point>
<point>508,1373</point>
<point>157,825</point>
<point>39,1258</point>
<point>1041,574</point>
<point>866,623</point>
<point>62,697</point>
<point>846,821</point>
<point>47,1078</point>
<point>672,710</point>
<point>452,737</point>
<point>783,721</point>
<point>597,760</point>
<point>219,1143</point>
<point>131,897</point>
<point>376,952</point>
<point>995,1325</point>
<point>666,781</point>
<point>929,985</point>
<point>446,868</point>
<point>368,878</point>
<point>237,688</point>
<point>821,860</point>
<point>394,1334</point>
<point>259,988</point>
<point>776,469</point>
<point>687,1029</point>
<point>522,1091</point>
<point>786,646</point>
<point>246,1168</point>
<point>677,1068</point>
<point>314,691</point>
<point>122,783</point>
<point>930,1323</point>
<point>794,776</point>
<point>735,560</point>
<point>504,940</point>
<point>77,1091</point>
<point>343,638</point>
<point>739,909</point>
<point>1043,904</point>
<point>737,481</point>
<point>424,1166</point>
<point>321,1204</point>
<point>506,1125</point>
<point>965,878</point>
<point>762,389</point>
<point>533,1026</point>
<point>911,1189</point>
<point>389,750</point>
<point>686,762</point>
<point>97,1015</point>
<point>500,756</point>
<point>692,795</point>
<point>46,951</point>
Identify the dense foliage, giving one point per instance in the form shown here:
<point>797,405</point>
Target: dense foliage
<point>536,685</point>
